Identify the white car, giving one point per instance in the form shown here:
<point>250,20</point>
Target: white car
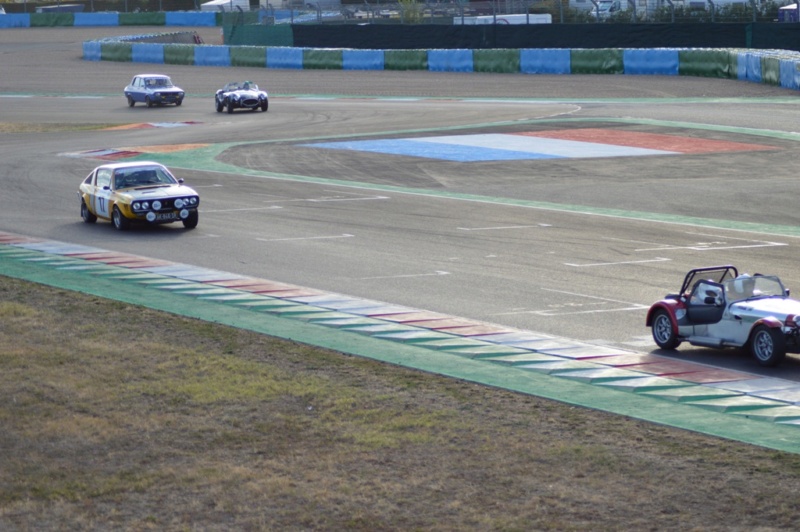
<point>718,307</point>
<point>142,191</point>
<point>241,95</point>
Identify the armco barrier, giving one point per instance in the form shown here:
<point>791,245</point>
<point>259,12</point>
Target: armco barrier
<point>179,54</point>
<point>405,60</point>
<point>773,67</point>
<point>591,61</point>
<point>498,60</point>
<point>249,56</point>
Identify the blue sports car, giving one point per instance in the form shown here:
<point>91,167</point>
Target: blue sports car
<point>153,89</point>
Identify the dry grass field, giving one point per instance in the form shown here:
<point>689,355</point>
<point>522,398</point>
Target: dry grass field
<point>117,417</point>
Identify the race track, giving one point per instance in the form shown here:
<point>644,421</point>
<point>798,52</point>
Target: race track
<point>400,186</point>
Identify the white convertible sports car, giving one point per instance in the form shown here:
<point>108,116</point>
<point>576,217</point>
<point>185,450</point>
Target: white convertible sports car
<point>718,307</point>
<point>141,191</point>
<point>241,95</point>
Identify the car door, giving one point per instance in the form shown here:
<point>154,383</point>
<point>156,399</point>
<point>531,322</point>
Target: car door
<point>102,192</point>
<point>706,303</point>
<point>137,89</point>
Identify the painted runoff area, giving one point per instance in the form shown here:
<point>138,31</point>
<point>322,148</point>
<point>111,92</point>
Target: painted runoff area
<point>719,402</point>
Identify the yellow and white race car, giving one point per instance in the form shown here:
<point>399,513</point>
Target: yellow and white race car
<point>141,191</point>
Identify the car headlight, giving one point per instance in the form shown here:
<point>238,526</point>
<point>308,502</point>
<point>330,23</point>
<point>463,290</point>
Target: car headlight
<point>136,206</point>
<point>179,203</point>
<point>145,205</point>
<point>157,205</point>
<point>193,200</point>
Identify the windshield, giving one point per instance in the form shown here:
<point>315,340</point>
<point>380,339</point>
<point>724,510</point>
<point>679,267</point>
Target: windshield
<point>757,286</point>
<point>142,176</point>
<point>158,82</point>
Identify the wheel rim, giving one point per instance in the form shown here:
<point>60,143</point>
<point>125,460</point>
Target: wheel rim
<point>662,328</point>
<point>763,346</point>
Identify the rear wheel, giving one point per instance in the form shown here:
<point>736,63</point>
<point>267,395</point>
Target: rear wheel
<point>86,214</point>
<point>191,221</point>
<point>131,102</point>
<point>663,332</point>
<point>768,345</point>
<point>120,222</point>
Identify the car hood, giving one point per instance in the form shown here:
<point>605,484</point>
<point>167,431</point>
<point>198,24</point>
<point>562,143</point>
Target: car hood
<point>768,306</point>
<point>246,94</point>
<point>159,192</point>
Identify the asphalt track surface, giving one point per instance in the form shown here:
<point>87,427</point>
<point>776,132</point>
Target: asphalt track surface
<point>577,247</point>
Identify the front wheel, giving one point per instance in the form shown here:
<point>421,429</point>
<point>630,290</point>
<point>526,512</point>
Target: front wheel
<point>86,214</point>
<point>220,106</point>
<point>120,222</point>
<point>148,101</point>
<point>768,345</point>
<point>663,332</point>
<point>230,107</point>
<point>178,103</point>
<point>265,106</point>
<point>190,222</point>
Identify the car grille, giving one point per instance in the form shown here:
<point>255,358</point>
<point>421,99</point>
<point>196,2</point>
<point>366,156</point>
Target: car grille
<point>250,102</point>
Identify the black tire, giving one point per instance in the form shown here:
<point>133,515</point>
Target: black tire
<point>131,102</point>
<point>148,101</point>
<point>86,214</point>
<point>265,106</point>
<point>219,105</point>
<point>178,103</point>
<point>230,108</point>
<point>768,345</point>
<point>663,333</point>
<point>120,222</point>
<point>191,221</point>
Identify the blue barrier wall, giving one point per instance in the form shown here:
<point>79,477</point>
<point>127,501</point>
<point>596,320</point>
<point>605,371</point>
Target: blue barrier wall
<point>191,18</point>
<point>212,56</point>
<point>362,59</point>
<point>450,60</point>
<point>15,20</point>
<point>147,53</point>
<point>545,61</point>
<point>285,58</point>
<point>662,62</point>
<point>96,19</point>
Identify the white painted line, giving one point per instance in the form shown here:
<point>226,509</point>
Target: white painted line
<point>437,272</point>
<point>348,199</point>
<point>657,259</point>
<point>206,211</point>
<point>552,312</point>
<point>501,227</point>
<point>718,244</point>
<point>344,235</point>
